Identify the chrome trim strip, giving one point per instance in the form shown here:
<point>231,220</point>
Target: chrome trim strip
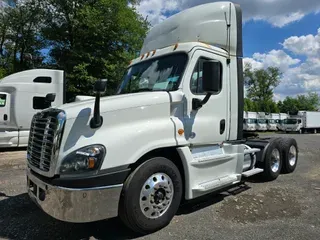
<point>91,189</point>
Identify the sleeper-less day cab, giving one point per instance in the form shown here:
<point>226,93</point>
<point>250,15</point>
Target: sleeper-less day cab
<point>173,132</point>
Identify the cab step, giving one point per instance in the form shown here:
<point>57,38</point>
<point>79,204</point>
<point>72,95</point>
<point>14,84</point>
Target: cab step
<point>207,159</point>
<point>217,183</point>
<point>252,172</point>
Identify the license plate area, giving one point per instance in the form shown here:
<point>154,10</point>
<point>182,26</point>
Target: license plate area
<point>32,187</point>
<point>36,190</point>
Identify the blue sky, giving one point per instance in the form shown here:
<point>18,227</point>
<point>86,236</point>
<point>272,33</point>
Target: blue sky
<point>260,36</point>
<point>281,33</point>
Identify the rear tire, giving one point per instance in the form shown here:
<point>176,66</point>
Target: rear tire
<point>151,196</point>
<point>273,161</point>
<point>289,150</point>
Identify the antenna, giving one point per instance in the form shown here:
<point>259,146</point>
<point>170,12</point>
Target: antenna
<point>228,33</point>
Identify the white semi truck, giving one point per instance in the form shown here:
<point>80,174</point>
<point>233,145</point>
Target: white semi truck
<point>272,121</point>
<point>303,122</point>
<point>283,117</point>
<point>261,122</point>
<point>249,121</point>
<point>169,135</point>
<point>21,96</point>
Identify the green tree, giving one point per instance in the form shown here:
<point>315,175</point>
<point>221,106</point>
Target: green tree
<point>250,106</point>
<point>309,102</point>
<point>93,39</point>
<point>260,84</point>
<point>20,39</point>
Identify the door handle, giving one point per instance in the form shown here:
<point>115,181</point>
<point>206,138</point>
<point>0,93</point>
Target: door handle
<point>222,126</point>
<point>5,117</point>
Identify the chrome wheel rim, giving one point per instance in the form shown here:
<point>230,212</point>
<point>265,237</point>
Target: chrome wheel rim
<point>156,195</point>
<point>292,155</point>
<point>275,160</point>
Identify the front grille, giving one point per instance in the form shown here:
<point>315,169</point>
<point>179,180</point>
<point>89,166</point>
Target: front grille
<point>44,138</point>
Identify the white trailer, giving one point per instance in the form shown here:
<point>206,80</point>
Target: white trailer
<point>21,96</point>
<point>249,121</point>
<point>174,131</point>
<point>310,121</point>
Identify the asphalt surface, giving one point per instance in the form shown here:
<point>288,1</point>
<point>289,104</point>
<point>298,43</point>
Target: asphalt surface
<point>287,208</point>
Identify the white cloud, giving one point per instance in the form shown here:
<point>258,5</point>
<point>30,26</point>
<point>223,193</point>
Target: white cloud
<point>275,58</point>
<point>298,77</point>
<point>304,45</point>
<point>279,13</point>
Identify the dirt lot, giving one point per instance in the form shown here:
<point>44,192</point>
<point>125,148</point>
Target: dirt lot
<point>288,208</point>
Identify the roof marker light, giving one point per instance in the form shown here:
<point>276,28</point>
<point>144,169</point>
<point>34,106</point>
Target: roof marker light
<point>154,52</point>
<point>175,46</point>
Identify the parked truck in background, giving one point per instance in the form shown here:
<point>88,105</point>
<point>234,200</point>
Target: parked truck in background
<point>173,132</point>
<point>303,122</point>
<point>272,121</point>
<point>261,122</point>
<point>249,121</point>
<point>280,124</point>
<point>21,96</point>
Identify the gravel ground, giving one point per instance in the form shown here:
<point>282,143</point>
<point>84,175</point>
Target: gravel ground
<point>287,208</point>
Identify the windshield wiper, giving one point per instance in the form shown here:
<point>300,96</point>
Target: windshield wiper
<point>149,90</point>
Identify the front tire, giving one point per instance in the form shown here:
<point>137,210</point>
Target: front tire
<point>151,196</point>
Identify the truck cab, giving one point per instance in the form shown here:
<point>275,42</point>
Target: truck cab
<point>250,121</point>
<point>261,122</point>
<point>21,96</point>
<point>293,124</point>
<point>173,131</point>
<point>272,121</point>
<point>272,125</point>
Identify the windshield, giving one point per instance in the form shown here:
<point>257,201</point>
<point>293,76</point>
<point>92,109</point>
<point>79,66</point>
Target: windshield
<point>3,99</point>
<point>158,74</point>
<point>262,121</point>
<point>272,121</point>
<point>291,121</point>
<point>251,121</point>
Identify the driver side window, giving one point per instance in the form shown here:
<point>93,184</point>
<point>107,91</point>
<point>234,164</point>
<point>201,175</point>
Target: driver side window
<point>196,78</point>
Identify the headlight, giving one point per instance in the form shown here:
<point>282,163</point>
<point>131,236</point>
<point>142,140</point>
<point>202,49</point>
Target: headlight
<point>85,159</point>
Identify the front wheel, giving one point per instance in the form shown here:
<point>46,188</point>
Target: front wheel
<point>151,196</point>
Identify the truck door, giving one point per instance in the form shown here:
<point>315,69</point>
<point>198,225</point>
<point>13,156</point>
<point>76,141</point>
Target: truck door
<point>209,125</point>
<point>4,108</point>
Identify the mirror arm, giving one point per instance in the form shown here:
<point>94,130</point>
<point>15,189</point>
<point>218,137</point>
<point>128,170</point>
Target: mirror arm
<point>197,103</point>
<point>97,119</point>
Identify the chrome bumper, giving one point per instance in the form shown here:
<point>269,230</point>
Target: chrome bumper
<point>74,205</point>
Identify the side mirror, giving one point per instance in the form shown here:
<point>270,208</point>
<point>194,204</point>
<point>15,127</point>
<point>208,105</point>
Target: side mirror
<point>211,82</point>
<point>100,86</point>
<point>211,78</point>
<point>50,97</point>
